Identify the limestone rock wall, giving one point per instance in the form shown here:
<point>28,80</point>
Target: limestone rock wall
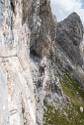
<point>17,102</point>
<point>27,31</point>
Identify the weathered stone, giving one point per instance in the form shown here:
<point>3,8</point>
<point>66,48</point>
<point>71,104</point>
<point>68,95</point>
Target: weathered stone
<point>81,109</point>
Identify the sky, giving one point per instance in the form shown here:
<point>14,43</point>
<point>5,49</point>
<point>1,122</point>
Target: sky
<point>62,8</point>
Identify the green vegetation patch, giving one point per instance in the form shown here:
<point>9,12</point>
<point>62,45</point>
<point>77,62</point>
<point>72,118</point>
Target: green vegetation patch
<point>72,89</point>
<point>69,114</point>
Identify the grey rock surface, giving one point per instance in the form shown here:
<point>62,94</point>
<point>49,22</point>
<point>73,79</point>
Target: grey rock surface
<point>68,47</point>
<point>69,37</point>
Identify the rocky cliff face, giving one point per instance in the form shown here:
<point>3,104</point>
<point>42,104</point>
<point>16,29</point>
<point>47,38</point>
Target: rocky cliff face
<point>27,31</point>
<point>69,36</point>
<point>35,53</point>
<point>69,43</point>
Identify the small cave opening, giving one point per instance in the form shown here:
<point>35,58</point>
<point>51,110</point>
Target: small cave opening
<point>34,53</point>
<point>42,69</point>
<point>12,6</point>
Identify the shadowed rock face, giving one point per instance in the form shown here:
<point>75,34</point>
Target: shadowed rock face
<point>43,28</point>
<point>69,37</point>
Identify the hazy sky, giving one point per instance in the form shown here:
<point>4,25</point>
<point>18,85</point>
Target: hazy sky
<point>62,8</point>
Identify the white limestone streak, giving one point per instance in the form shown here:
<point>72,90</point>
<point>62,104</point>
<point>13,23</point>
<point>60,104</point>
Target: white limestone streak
<point>32,112</point>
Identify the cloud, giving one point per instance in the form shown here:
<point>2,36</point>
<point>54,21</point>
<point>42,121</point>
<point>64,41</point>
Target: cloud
<point>62,8</point>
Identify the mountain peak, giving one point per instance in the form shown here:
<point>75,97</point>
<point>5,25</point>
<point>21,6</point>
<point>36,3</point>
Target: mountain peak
<point>70,35</point>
